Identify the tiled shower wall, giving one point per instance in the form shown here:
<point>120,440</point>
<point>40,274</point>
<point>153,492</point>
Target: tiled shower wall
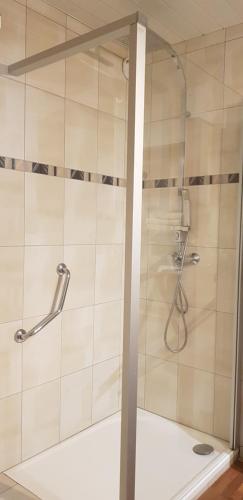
<point>194,386</point>
<point>70,115</point>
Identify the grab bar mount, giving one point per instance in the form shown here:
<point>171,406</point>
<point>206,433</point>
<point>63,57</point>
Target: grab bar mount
<point>22,335</point>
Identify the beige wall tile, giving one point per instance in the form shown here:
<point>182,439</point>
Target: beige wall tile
<point>205,40</point>
<point>157,315</point>
<point>228,221</point>
<point>75,26</point>
<point>158,55</point>
<point>233,65</point>
<point>40,278</point>
<point>145,215</point>
<point>11,207</point>
<point>146,150</point>
<point>141,380</point>
<point>222,405</point>
<point>232,139</point>
<point>46,10</point>
<point>210,59</point>
<point>109,273</point>
<point>195,398</point>
<point>204,143</point>
<point>10,431</point>
<point>77,339</point>
<point>148,92</point>
<point>12,118</point>
<point>12,36</point>
<point>81,262</point>
<point>161,273</point>
<point>235,31</point>
<point>11,276</point>
<point>76,402</point>
<point>200,348</point>
<point>80,212</point>
<point>200,281</point>
<point>232,98</point>
<point>144,271</point>
<point>164,214</point>
<point>226,281</point>
<point>112,84</point>
<point>44,109</point>
<point>80,137</point>
<point>41,354</point>
<point>241,417</point>
<point>108,322</point>
<point>166,148</point>
<point>224,344</point>
<point>110,214</point>
<point>42,34</point>
<point>44,207</point>
<point>111,145</point>
<point>204,215</point>
<point>167,100</point>
<point>142,328</point>
<point>161,387</point>
<point>204,92</point>
<point>10,360</point>
<point>106,382</point>
<point>82,77</point>
<point>40,428</point>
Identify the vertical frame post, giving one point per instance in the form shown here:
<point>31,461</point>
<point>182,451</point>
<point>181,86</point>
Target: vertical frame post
<point>238,334</point>
<point>137,57</point>
<point>235,423</point>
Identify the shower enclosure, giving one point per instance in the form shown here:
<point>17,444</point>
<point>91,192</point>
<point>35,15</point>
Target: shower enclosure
<point>173,267</point>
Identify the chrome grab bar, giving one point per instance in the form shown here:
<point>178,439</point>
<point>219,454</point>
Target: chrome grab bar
<point>62,270</point>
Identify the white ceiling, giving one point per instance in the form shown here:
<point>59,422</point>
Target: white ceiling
<point>175,20</point>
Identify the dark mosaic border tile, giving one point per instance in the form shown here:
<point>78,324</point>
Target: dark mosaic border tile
<point>40,168</point>
<point>81,175</point>
<point>68,173</point>
<point>201,180</point>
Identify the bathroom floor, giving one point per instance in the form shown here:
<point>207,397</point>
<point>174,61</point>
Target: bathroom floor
<point>164,458</point>
<point>229,486</point>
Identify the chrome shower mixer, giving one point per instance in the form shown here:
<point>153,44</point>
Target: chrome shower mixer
<point>181,259</point>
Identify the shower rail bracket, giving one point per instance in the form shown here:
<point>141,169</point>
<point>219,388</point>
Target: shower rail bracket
<point>63,276</point>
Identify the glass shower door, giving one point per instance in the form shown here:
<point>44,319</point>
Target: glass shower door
<point>188,275</point>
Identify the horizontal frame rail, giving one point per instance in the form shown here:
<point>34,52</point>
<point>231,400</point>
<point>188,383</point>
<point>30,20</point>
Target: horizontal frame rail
<point>78,44</point>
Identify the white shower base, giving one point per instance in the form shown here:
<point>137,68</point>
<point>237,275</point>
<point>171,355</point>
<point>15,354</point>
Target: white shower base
<point>86,466</point>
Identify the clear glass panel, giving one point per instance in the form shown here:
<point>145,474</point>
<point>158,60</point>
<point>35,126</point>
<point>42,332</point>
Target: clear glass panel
<point>190,215</point>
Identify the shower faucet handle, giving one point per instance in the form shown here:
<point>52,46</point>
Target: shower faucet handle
<point>192,259</point>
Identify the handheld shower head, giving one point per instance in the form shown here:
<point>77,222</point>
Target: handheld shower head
<point>185,208</point>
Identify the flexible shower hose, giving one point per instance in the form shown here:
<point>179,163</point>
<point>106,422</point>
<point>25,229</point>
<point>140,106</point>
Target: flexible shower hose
<point>179,302</point>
